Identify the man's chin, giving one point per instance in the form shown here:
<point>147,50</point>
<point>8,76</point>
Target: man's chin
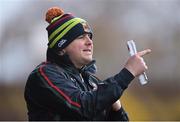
<point>87,61</point>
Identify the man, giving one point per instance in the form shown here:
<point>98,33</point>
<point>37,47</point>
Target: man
<point>64,87</point>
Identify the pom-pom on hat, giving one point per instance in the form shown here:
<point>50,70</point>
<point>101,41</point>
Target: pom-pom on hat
<point>64,28</point>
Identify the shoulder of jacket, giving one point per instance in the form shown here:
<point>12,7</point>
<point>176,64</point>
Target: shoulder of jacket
<point>52,67</point>
<point>48,67</point>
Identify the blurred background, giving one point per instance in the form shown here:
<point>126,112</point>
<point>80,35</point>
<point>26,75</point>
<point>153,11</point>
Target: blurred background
<point>153,24</point>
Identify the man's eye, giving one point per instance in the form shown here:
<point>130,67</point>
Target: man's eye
<point>90,36</point>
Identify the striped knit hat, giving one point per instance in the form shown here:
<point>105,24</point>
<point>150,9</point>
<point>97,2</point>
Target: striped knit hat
<point>64,28</point>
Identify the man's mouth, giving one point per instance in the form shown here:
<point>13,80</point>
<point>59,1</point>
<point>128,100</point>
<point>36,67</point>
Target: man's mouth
<point>87,50</point>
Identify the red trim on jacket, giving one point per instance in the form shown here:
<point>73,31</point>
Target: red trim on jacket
<point>57,89</point>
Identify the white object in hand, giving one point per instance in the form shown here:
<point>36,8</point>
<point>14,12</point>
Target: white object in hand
<point>132,51</point>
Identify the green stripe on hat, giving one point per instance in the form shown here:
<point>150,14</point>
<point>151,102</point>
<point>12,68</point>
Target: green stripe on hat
<point>70,26</point>
<point>56,18</point>
<point>61,28</point>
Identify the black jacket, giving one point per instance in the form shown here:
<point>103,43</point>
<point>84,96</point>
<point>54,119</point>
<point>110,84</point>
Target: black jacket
<point>56,90</point>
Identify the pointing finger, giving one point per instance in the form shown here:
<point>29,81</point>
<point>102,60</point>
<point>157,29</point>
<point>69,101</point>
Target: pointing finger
<point>144,52</point>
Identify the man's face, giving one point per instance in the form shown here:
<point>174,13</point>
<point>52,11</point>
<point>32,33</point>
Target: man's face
<point>80,50</point>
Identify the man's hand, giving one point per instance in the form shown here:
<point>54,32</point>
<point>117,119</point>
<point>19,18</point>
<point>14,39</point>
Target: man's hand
<point>116,106</point>
<point>135,63</point>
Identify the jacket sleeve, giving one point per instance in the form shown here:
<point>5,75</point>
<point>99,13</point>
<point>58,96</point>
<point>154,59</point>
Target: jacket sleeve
<point>112,88</point>
<point>59,93</point>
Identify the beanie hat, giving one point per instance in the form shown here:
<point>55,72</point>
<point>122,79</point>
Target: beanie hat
<point>64,28</point>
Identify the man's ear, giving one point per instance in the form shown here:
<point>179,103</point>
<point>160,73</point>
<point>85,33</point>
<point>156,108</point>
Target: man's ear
<point>62,52</point>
